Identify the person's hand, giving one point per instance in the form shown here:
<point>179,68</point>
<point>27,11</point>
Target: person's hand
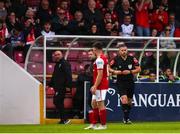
<point>117,72</point>
<point>126,72</point>
<point>93,90</point>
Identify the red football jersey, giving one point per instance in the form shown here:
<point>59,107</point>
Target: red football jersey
<point>101,63</point>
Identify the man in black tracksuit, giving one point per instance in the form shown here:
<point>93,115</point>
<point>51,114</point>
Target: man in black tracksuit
<point>125,67</point>
<point>61,81</point>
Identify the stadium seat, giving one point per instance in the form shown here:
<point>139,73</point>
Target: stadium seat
<point>83,55</point>
<point>21,64</point>
<point>68,103</point>
<point>112,54</point>
<point>73,92</point>
<point>73,55</point>
<point>74,66</point>
<point>49,103</point>
<point>18,56</point>
<point>50,68</point>
<point>132,54</point>
<point>50,92</point>
<point>147,54</point>
<point>36,56</point>
<point>35,68</point>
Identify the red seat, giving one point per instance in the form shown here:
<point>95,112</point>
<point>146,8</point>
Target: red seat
<point>49,103</point>
<point>112,54</point>
<point>74,66</point>
<point>68,103</point>
<point>83,55</point>
<point>35,68</point>
<point>50,68</point>
<point>147,54</point>
<point>73,92</point>
<point>132,54</point>
<point>18,56</point>
<point>36,56</point>
<point>21,64</point>
<point>73,55</point>
<point>50,92</point>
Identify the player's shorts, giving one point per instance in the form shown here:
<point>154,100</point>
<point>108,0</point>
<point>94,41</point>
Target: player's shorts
<point>126,88</point>
<point>100,95</point>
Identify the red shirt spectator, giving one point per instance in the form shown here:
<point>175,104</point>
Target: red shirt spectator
<point>64,4</point>
<point>159,19</point>
<point>142,15</point>
<point>3,34</point>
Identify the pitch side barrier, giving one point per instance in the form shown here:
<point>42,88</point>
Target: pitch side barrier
<point>151,102</point>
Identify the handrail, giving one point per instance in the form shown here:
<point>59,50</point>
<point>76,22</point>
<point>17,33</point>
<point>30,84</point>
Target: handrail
<point>175,63</point>
<point>111,39</point>
<point>28,53</point>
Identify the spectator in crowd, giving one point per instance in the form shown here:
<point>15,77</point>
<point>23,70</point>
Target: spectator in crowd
<point>99,4</point>
<point>44,13</point>
<point>30,14</point>
<point>108,18</point>
<point>111,9</point>
<point>60,23</point>
<point>65,5</point>
<point>167,43</point>
<point>4,34</point>
<point>169,77</point>
<point>94,30</point>
<point>17,39</point>
<point>93,15</point>
<point>142,17</point>
<point>164,3</point>
<point>77,25</point>
<point>154,33</point>
<point>11,21</point>
<point>77,5</point>
<point>46,31</point>
<point>61,84</point>
<point>3,11</point>
<point>151,78</point>
<point>126,10</point>
<point>127,28</point>
<point>173,23</point>
<point>29,34</point>
<point>159,19</point>
<point>108,29</point>
<point>19,7</point>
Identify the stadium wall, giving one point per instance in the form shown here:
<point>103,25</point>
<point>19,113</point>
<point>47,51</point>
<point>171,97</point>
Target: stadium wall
<point>21,95</point>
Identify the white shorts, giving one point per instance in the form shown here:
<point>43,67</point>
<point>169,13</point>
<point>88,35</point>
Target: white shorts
<point>100,95</point>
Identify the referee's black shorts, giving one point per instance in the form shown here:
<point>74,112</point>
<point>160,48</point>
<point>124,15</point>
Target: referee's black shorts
<point>126,88</point>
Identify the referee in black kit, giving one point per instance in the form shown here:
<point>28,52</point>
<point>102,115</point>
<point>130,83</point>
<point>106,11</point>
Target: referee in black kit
<point>125,67</point>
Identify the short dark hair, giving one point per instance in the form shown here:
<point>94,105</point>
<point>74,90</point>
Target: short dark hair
<point>98,45</point>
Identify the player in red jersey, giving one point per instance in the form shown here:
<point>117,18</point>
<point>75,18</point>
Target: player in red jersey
<point>99,88</point>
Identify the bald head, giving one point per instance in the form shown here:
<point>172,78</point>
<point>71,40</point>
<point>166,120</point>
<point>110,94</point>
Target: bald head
<point>58,55</point>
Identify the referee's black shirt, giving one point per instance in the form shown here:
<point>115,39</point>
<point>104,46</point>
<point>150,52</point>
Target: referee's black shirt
<point>118,63</point>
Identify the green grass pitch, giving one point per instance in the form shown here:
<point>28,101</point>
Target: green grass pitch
<point>137,127</point>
